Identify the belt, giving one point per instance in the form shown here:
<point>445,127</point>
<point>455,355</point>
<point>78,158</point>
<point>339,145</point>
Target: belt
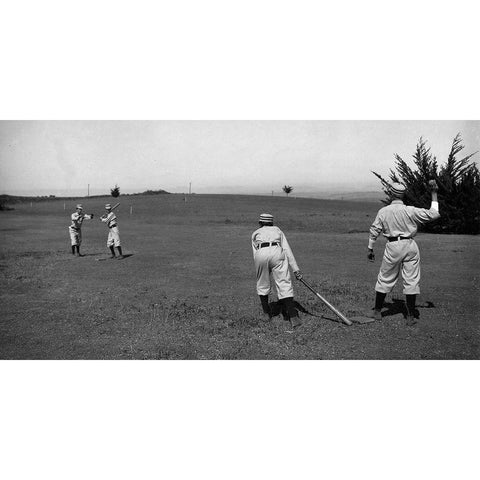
<point>268,244</point>
<point>111,226</point>
<point>394,239</point>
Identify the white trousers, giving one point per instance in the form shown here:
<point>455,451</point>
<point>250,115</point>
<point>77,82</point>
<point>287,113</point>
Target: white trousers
<point>113,237</point>
<point>75,236</point>
<point>272,260</point>
<point>400,256</point>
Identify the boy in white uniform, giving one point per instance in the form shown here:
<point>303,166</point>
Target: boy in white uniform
<point>273,255</point>
<point>113,239</point>
<point>75,228</point>
<point>399,224</point>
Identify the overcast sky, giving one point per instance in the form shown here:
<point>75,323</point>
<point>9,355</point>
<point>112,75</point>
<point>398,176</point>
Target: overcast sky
<point>63,157</point>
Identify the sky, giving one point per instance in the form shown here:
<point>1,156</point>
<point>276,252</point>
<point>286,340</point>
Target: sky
<point>78,157</point>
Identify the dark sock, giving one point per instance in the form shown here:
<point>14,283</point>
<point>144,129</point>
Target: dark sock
<point>113,251</point>
<point>290,309</point>
<point>265,305</point>
<point>120,251</point>
<point>379,299</point>
<point>78,249</point>
<point>73,249</point>
<point>411,304</point>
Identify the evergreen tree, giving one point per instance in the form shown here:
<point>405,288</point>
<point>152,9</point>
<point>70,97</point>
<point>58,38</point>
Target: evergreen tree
<point>458,180</point>
<point>115,191</point>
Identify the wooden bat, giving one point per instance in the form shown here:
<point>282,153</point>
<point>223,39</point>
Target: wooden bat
<point>328,304</point>
<point>112,209</point>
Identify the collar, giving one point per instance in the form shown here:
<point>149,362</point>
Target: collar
<point>397,201</point>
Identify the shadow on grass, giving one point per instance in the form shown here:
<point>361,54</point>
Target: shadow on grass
<point>127,255</point>
<point>278,308</point>
<point>397,306</point>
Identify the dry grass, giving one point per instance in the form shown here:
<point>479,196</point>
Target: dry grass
<point>188,290</point>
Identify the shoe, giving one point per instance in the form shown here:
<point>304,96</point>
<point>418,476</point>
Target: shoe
<point>376,314</point>
<point>120,257</point>
<point>295,322</point>
<point>112,257</point>
<point>411,320</point>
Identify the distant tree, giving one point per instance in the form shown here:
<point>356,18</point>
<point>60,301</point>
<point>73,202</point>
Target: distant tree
<point>115,191</point>
<point>287,189</point>
<point>459,187</point>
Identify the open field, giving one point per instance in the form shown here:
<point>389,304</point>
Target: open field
<point>187,288</point>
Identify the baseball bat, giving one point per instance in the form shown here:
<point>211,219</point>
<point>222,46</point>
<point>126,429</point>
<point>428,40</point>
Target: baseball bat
<point>328,304</point>
<point>112,209</point>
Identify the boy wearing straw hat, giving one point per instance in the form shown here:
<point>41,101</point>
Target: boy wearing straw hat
<point>399,224</point>
<point>272,255</point>
<point>75,228</point>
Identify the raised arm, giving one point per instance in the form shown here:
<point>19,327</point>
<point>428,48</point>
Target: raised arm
<point>423,215</point>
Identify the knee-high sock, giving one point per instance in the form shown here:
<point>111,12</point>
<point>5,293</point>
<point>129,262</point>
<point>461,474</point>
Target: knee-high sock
<point>264,302</point>
<point>379,299</point>
<point>411,304</point>
<point>290,309</point>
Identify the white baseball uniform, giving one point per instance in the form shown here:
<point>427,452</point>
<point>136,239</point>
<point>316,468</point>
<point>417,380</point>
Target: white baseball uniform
<point>399,224</point>
<point>272,255</point>
<point>113,238</point>
<point>75,228</point>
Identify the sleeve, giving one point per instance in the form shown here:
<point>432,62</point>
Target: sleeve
<point>253,243</point>
<point>422,215</point>
<point>375,230</point>
<point>104,218</point>
<point>288,252</point>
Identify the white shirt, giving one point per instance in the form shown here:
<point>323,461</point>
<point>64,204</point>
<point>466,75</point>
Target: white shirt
<point>271,233</point>
<point>77,220</point>
<point>110,219</point>
<point>400,220</point>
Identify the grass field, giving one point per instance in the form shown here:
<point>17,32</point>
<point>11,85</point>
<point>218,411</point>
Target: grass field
<point>187,288</point>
